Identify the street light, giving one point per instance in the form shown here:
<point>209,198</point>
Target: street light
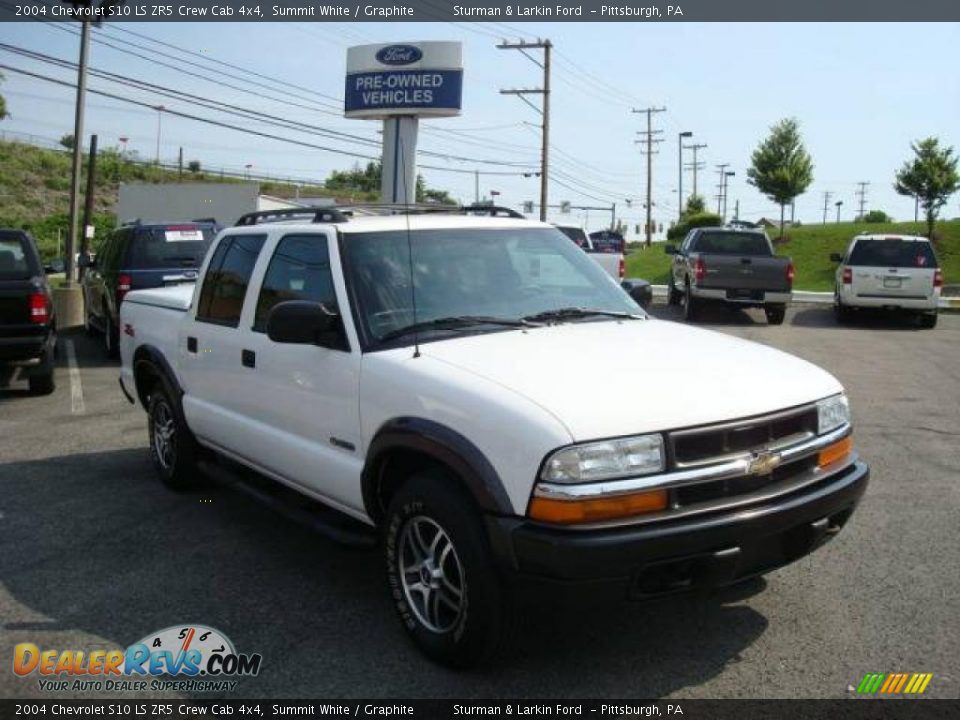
<point>159,109</point>
<point>838,203</point>
<point>726,185</point>
<point>247,168</point>
<point>680,137</point>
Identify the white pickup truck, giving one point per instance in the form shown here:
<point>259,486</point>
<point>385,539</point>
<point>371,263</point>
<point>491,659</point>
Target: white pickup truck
<point>423,374</point>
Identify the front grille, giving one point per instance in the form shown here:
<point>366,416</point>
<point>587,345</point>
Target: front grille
<point>706,445</point>
<point>688,495</point>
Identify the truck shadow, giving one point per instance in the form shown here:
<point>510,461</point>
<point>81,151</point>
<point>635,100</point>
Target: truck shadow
<point>823,317</point>
<point>712,315</point>
<point>96,550</point>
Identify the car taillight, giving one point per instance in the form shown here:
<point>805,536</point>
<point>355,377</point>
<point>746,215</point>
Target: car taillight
<point>938,278</point>
<point>123,287</point>
<point>790,274</point>
<point>847,276</point>
<point>39,309</point>
<point>699,270</point>
<point>622,270</point>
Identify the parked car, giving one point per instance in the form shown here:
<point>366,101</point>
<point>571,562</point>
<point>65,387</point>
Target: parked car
<point>139,256</point>
<point>28,336</point>
<point>730,265</point>
<point>424,375</point>
<point>612,263</point>
<point>893,272</point>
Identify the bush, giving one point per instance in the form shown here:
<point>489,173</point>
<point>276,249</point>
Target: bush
<point>705,219</point>
<point>877,216</point>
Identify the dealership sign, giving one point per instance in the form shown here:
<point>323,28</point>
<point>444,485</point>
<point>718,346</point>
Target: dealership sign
<point>423,79</point>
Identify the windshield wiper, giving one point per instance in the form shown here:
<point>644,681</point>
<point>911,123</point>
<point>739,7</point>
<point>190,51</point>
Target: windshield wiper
<point>453,323</point>
<point>571,313</point>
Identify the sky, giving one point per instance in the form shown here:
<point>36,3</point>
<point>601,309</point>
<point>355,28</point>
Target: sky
<point>861,92</point>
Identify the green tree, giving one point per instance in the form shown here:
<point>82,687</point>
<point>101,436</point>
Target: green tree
<point>931,177</point>
<point>358,179</point>
<point>876,216</point>
<point>781,167</point>
<point>67,141</point>
<point>194,166</point>
<point>695,206</point>
<point>3,102</point>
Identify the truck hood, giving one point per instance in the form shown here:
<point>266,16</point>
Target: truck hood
<point>603,379</point>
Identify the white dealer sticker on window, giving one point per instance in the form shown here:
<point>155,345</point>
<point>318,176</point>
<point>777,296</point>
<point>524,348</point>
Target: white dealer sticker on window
<point>183,235</point>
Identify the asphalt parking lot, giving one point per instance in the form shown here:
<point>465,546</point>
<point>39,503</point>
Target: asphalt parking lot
<point>94,552</point>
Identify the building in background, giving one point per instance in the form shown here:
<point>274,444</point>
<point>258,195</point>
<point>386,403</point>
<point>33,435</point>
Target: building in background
<point>170,202</point>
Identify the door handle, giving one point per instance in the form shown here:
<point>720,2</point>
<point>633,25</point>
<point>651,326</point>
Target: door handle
<point>191,344</point>
<point>248,358</point>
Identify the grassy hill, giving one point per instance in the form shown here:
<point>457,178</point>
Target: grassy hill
<point>35,189</point>
<point>810,247</point>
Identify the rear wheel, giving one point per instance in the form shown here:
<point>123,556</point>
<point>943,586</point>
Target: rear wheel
<point>691,305</point>
<point>673,295</point>
<point>445,588</point>
<point>111,338</point>
<point>775,314</point>
<point>42,384</point>
<point>928,320</point>
<point>173,448</point>
<point>841,311</point>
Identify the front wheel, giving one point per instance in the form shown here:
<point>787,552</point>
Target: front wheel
<point>673,295</point>
<point>172,446</point>
<point>775,314</point>
<point>691,305</point>
<point>42,384</point>
<point>111,338</point>
<point>447,593</point>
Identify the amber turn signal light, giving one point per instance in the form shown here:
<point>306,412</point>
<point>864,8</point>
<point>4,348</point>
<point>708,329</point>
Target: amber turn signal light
<point>837,451</point>
<point>568,512</point>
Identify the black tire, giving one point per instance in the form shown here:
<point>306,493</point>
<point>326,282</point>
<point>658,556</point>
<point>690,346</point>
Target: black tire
<point>673,295</point>
<point>173,449</point>
<point>456,631</point>
<point>691,306</point>
<point>841,311</point>
<point>775,314</point>
<point>111,338</point>
<point>928,320</point>
<point>42,384</point>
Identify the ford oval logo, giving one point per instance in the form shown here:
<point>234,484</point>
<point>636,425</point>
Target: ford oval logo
<point>399,55</point>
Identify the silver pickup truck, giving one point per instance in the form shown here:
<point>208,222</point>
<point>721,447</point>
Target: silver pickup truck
<point>730,265</point>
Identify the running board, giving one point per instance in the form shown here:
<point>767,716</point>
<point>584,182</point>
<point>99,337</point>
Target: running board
<point>294,506</point>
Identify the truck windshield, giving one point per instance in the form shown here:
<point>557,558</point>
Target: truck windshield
<point>730,243</point>
<point>15,264</point>
<point>892,253</point>
<point>499,274</point>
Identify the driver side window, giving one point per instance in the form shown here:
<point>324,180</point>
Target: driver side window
<point>298,270</point>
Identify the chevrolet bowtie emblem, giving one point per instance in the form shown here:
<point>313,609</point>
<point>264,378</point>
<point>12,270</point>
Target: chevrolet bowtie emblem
<point>763,463</point>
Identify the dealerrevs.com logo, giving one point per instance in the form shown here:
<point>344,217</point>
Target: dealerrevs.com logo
<point>178,658</point>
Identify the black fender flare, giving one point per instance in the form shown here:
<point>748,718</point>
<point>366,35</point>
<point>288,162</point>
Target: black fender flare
<point>442,444</point>
<point>159,366</point>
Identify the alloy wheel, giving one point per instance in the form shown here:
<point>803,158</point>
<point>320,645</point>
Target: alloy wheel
<point>431,574</point>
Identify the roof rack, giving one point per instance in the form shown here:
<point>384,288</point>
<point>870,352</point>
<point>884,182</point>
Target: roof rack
<point>317,214</point>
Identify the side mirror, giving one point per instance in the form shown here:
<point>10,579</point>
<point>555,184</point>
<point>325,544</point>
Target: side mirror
<point>304,323</point>
<point>836,257</point>
<point>670,249</point>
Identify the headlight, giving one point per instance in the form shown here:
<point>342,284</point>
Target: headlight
<point>604,460</point>
<point>832,413</point>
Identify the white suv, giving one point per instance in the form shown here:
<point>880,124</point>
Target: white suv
<point>891,272</point>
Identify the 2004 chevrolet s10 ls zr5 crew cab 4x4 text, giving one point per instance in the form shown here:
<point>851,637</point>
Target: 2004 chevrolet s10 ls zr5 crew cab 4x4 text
<point>424,375</point>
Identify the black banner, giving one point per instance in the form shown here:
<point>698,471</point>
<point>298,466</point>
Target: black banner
<point>480,10</point>
<point>451,709</point>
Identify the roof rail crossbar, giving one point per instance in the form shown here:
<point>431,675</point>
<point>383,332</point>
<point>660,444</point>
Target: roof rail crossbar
<point>318,215</point>
<point>492,211</point>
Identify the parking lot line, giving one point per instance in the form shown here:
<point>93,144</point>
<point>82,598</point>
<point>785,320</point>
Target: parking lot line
<point>76,388</point>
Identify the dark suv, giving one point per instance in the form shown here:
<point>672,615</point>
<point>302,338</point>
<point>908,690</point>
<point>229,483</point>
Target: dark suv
<point>135,257</point>
<point>28,335</point>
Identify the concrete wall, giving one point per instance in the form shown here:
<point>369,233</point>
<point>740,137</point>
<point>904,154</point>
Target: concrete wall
<point>191,201</point>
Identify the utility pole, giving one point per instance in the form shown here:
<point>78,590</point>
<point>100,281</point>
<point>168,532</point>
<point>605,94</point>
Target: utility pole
<point>726,190</point>
<point>695,165</point>
<point>736,210</point>
<point>91,193</point>
<point>916,208</point>
<point>649,152</point>
<point>544,109</point>
<point>826,201</point>
<point>722,170</point>
<point>180,166</point>
<point>862,194</point>
<point>838,203</point>
<point>77,153</point>
<point>476,186</point>
<point>680,137</point>
<point>159,109</point>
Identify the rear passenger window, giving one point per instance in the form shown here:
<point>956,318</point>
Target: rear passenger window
<point>227,277</point>
<point>299,270</point>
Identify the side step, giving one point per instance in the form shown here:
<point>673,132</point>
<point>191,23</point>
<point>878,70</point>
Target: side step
<point>294,506</point>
